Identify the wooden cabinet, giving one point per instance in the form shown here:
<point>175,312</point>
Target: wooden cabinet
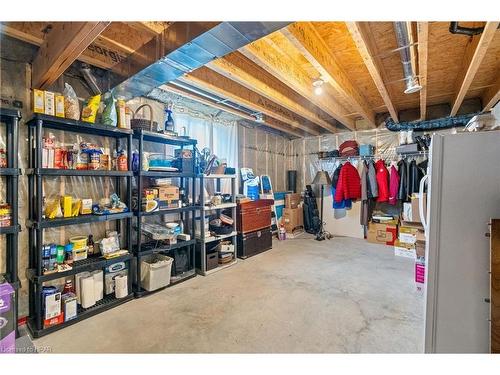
<point>254,215</point>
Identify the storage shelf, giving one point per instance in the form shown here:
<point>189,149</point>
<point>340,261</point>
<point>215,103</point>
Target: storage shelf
<point>173,281</point>
<point>77,172</point>
<point>221,267</point>
<point>219,206</point>
<point>10,229</point>
<point>59,123</point>
<point>82,219</point>
<point>212,238</point>
<point>167,211</point>
<point>163,138</point>
<point>9,172</point>
<point>178,245</point>
<point>108,302</point>
<point>166,174</point>
<point>213,176</point>
<point>89,264</point>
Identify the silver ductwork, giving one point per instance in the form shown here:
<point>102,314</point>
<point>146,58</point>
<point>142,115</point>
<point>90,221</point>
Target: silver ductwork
<point>404,45</point>
<point>218,41</point>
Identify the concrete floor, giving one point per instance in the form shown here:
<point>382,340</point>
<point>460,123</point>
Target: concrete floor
<point>339,296</point>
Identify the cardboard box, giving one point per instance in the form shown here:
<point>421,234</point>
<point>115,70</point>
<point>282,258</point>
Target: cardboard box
<point>67,205</point>
<point>168,193</point>
<point>52,305</point>
<point>384,234</point>
<point>53,321</point>
<point>292,218</point>
<point>38,101</point>
<point>420,274</point>
<point>292,200</point>
<point>411,210</point>
<point>59,106</point>
<point>86,207</point>
<point>69,306</point>
<point>404,250</point>
<point>49,103</point>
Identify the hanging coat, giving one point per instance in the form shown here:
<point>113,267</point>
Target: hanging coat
<point>393,186</point>
<point>345,203</point>
<point>372,188</point>
<point>403,187</point>
<point>349,184</point>
<point>415,174</point>
<point>382,181</point>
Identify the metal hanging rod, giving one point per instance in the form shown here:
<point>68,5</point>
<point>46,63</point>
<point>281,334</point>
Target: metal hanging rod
<point>379,156</point>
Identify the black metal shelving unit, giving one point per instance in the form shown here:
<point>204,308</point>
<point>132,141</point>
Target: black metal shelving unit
<point>187,180</point>
<point>11,119</point>
<point>36,223</point>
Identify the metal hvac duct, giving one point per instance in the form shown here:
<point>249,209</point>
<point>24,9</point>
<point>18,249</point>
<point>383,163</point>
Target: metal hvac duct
<point>404,46</point>
<point>218,41</point>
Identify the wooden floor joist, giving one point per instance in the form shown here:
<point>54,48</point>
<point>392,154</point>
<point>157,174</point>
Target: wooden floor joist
<point>237,67</point>
<point>61,48</point>
<point>475,53</point>
<point>217,84</point>
<point>307,40</point>
<point>423,52</point>
<point>367,50</point>
<point>278,64</point>
<point>267,121</point>
<point>491,96</point>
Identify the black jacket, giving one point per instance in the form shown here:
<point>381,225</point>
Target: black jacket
<point>403,180</point>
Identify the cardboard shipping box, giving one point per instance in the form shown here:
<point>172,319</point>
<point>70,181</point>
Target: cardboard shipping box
<point>411,211</point>
<point>402,249</point>
<point>384,234</point>
<point>292,200</point>
<point>292,218</point>
<point>168,193</point>
<point>411,232</point>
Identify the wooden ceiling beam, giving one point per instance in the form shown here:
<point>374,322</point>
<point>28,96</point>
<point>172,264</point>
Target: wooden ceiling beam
<point>219,85</point>
<point>201,99</point>
<point>263,53</point>
<point>423,53</point>
<point>474,54</point>
<point>305,37</point>
<point>491,96</point>
<point>238,68</point>
<point>61,48</point>
<point>152,27</point>
<point>368,51</point>
<point>267,121</point>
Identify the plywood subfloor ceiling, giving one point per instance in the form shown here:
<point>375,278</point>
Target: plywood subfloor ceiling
<point>272,78</point>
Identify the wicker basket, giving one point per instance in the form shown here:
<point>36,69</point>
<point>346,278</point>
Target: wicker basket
<point>139,123</point>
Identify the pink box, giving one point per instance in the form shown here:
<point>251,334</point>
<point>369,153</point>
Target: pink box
<point>419,273</point>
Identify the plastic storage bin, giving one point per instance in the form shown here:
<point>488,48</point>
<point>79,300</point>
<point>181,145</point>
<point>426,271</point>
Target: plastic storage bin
<point>155,271</point>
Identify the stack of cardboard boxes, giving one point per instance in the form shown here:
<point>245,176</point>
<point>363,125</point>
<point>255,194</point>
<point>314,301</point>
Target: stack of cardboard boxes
<point>412,238</point>
<point>384,232</point>
<point>293,214</point>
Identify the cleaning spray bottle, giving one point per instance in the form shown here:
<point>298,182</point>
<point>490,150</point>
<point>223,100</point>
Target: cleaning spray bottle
<point>169,122</point>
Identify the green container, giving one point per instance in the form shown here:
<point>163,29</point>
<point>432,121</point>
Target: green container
<point>60,254</point>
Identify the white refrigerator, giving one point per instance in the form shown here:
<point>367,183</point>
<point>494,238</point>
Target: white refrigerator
<point>463,194</point>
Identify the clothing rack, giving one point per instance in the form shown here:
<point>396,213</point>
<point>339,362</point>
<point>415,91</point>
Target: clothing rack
<point>391,156</point>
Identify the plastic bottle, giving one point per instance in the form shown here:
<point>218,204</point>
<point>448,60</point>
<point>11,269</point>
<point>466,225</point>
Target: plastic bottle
<point>90,245</point>
<point>169,122</point>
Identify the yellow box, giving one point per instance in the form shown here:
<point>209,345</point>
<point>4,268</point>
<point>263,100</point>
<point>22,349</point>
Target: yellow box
<point>49,103</point>
<point>38,101</point>
<point>59,106</point>
<point>86,207</point>
<point>67,205</point>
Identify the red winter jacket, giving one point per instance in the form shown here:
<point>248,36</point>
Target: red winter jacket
<point>349,184</point>
<point>382,181</point>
